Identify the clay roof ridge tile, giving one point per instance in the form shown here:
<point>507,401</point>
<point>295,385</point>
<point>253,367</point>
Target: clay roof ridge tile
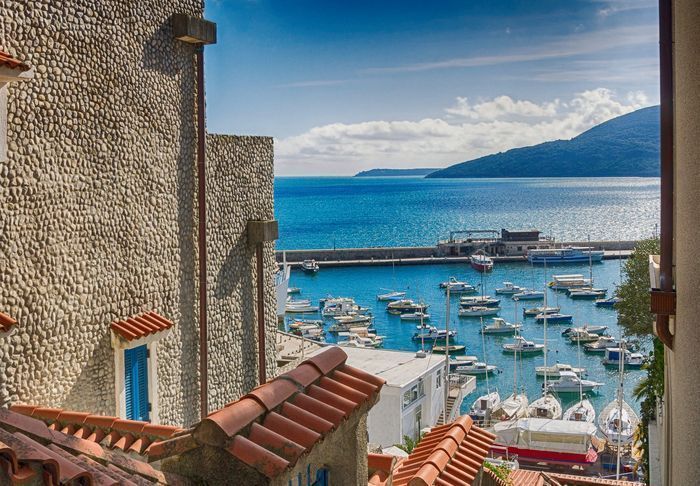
<point>328,360</point>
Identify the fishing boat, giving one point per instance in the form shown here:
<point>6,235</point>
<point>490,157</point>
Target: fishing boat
<point>485,301</point>
<point>475,368</point>
<point>513,407</point>
<point>582,336</point>
<point>356,341</point>
<point>293,290</point>
<point>547,406</point>
<point>415,316</point>
<point>309,266</point>
<point>535,311</point>
<point>528,294</point>
<point>568,281</point>
<point>609,302</point>
<point>509,289</point>
<point>454,349</point>
<point>554,317</point>
<point>569,254</point>
<point>569,382</point>
<point>434,334</point>
<point>588,294</point>
<point>500,326</point>
<point>300,308</point>
<point>581,411</point>
<point>391,296</point>
<point>458,287</point>
<point>405,306</point>
<point>522,345</point>
<point>545,440</point>
<point>603,343</point>
<point>478,311</point>
<point>599,330</point>
<point>554,371</point>
<point>481,409</point>
<point>481,262</point>
<point>631,360</point>
<point>618,427</point>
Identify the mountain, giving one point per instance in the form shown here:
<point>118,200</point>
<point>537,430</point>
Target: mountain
<point>624,146</point>
<point>395,172</point>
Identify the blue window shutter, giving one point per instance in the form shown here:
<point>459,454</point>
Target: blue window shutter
<point>136,383</point>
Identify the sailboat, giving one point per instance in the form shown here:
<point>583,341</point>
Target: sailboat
<point>547,406</point>
<point>581,411</point>
<point>515,406</point>
<point>482,407</point>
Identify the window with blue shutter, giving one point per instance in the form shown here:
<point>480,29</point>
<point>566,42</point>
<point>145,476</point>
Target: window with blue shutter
<point>136,383</point>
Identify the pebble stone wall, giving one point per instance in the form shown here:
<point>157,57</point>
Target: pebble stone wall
<point>98,205</point>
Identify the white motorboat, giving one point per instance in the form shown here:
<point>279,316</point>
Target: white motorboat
<point>353,319</point>
<point>513,407</point>
<point>415,316</point>
<point>527,294</point>
<point>434,334</point>
<point>554,371</point>
<point>547,406</point>
<point>303,322</point>
<point>568,254</point>
<point>342,307</point>
<point>391,296</point>
<point>569,382</point>
<point>608,303</point>
<point>603,343</point>
<point>309,266</point>
<point>456,361</point>
<point>457,287</point>
<point>482,407</point>
<point>582,336</point>
<point>483,301</point>
<point>536,311</point>
<point>293,290</point>
<point>356,341</point>
<point>521,345</point>
<point>554,317</point>
<point>599,330</point>
<point>587,293</point>
<point>581,411</point>
<point>565,282</point>
<point>474,368</point>
<point>618,427</point>
<point>509,289</point>
<point>297,308</point>
<point>405,306</point>
<point>481,262</point>
<point>478,311</point>
<point>631,360</point>
<point>500,326</point>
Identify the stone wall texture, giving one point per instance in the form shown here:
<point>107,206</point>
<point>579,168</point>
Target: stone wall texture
<point>98,208</point>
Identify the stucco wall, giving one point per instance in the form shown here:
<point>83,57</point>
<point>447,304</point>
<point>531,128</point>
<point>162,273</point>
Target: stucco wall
<point>239,188</point>
<point>98,207</point>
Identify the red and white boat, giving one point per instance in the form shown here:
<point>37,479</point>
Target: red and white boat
<point>481,262</point>
<point>547,440</point>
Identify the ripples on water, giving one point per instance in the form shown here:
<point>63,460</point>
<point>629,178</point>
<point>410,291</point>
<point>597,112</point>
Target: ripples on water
<point>347,212</point>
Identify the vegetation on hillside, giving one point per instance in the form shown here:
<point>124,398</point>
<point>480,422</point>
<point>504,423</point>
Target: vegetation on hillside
<point>624,146</point>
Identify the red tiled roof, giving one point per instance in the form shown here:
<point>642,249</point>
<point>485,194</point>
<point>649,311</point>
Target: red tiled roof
<point>11,62</point>
<point>6,322</point>
<point>379,467</point>
<point>523,477</point>
<point>450,454</point>
<point>69,450</point>
<point>141,326</point>
<point>275,424</point>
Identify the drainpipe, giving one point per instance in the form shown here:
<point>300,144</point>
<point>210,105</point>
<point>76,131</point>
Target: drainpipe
<point>199,32</point>
<point>258,233</point>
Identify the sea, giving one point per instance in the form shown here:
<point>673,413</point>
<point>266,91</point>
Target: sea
<point>354,212</point>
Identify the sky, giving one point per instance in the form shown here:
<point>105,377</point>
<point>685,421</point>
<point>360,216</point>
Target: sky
<point>350,85</point>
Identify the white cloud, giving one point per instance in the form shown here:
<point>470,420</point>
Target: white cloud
<point>615,6</point>
<point>467,131</point>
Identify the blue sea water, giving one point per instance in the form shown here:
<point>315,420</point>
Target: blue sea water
<point>421,283</point>
<point>347,212</point>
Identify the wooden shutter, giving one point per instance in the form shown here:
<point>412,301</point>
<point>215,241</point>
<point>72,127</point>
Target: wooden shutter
<point>136,383</point>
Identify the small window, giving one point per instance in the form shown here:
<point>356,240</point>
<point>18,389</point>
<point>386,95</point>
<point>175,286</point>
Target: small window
<point>136,383</point>
<point>438,379</point>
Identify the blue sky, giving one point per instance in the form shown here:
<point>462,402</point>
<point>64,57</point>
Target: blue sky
<point>349,85</point>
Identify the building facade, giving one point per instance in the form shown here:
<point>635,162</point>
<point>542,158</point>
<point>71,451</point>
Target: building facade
<point>98,211</point>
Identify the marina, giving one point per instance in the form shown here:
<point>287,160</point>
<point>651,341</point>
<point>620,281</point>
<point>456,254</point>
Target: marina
<point>420,290</point>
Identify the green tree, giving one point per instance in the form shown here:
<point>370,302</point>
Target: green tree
<point>633,308</point>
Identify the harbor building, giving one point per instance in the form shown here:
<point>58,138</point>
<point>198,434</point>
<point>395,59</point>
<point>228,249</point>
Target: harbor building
<point>493,242</point>
<point>102,192</point>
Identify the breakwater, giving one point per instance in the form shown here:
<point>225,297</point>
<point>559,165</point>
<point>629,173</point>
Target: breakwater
<point>422,255</point>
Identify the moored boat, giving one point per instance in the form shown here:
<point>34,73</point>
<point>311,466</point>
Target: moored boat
<point>293,290</point>
<point>478,311</point>
<point>581,411</point>
<point>535,311</point>
<point>569,254</point>
<point>405,306</point>
<point>603,343</point>
<point>500,326</point>
<point>587,293</point>
<point>555,370</point>
<point>513,407</point>
<point>609,302</point>
<point>481,262</point>
<point>309,266</point>
<point>453,349</point>
<point>582,336</point>
<point>599,330</point>
<point>509,288</point>
<point>569,382</point>
<point>475,368</point>
<point>528,294</point>
<point>568,281</point>
<point>356,341</point>
<point>618,427</point>
<point>484,301</point>
<point>554,318</point>
<point>415,316</point>
<point>392,295</point>
<point>631,360</point>
<point>522,345</point>
<point>353,319</point>
<point>458,287</point>
<point>482,407</point>
<point>547,406</point>
<point>434,334</point>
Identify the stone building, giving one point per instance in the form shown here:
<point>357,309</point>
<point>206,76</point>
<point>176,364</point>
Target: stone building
<point>98,216</point>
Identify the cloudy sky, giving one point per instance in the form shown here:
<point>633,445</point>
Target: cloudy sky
<point>347,85</point>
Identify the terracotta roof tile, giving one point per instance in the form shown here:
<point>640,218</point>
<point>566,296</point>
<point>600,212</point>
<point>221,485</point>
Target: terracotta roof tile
<point>524,477</point>
<point>11,62</point>
<point>448,455</point>
<point>6,322</point>
<point>379,467</point>
<point>141,326</point>
<point>276,423</point>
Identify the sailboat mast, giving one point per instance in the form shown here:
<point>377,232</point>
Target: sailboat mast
<point>483,352</point>
<point>619,403</point>
<point>447,355</point>
<point>546,371</point>
<point>590,262</point>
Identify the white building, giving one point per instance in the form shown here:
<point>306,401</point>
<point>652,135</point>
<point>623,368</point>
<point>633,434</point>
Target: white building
<point>413,396</point>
